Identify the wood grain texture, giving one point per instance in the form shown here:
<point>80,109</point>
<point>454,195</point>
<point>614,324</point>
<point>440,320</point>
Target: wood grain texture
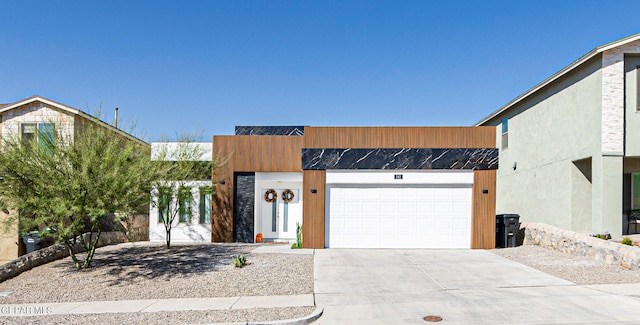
<point>483,234</point>
<point>313,210</point>
<point>400,137</point>
<point>247,153</point>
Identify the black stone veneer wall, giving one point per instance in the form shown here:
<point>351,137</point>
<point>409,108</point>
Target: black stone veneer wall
<point>244,190</point>
<point>270,130</point>
<point>405,158</point>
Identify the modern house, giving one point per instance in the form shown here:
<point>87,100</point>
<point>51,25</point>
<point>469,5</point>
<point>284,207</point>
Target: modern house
<point>365,187</point>
<point>191,198</point>
<point>34,118</point>
<point>570,146</point>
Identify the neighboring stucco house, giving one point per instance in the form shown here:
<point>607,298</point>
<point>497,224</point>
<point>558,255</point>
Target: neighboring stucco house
<point>357,187</point>
<point>37,117</point>
<point>193,223</point>
<point>570,146</point>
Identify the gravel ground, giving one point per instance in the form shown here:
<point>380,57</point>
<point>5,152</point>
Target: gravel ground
<point>580,270</point>
<point>150,271</point>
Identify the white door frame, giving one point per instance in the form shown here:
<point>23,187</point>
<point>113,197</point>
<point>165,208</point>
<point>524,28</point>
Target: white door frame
<point>263,209</point>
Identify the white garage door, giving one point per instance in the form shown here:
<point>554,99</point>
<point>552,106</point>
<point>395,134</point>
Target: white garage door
<point>436,216</point>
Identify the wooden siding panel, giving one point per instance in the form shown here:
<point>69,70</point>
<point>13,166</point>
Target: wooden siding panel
<point>246,153</point>
<point>400,137</point>
<point>483,235</point>
<point>249,153</point>
<point>313,209</point>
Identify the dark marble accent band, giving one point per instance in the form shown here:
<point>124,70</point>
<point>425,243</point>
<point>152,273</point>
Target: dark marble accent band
<point>270,130</point>
<point>405,158</point>
<point>243,206</point>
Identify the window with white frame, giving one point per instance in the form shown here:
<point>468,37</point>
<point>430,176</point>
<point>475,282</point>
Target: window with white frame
<point>205,205</point>
<point>184,201</point>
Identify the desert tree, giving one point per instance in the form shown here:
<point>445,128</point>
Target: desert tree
<point>74,185</point>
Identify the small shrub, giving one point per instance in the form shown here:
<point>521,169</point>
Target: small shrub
<point>298,235</point>
<point>627,241</point>
<point>239,260</point>
<point>294,246</point>
<point>603,236</point>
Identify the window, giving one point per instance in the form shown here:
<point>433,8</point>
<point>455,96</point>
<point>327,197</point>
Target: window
<point>635,191</point>
<point>164,199</point>
<point>505,133</point>
<point>205,205</point>
<point>43,134</point>
<point>184,199</point>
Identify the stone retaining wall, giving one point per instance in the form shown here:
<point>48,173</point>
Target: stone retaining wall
<point>581,244</point>
<point>54,252</point>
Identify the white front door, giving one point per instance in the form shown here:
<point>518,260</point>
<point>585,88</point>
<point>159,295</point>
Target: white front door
<point>280,210</point>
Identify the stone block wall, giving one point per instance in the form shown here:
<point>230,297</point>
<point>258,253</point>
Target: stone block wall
<point>52,253</point>
<point>137,227</point>
<point>581,244</point>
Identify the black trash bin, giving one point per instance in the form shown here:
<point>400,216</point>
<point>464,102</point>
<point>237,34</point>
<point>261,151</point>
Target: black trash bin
<point>31,240</point>
<point>507,226</point>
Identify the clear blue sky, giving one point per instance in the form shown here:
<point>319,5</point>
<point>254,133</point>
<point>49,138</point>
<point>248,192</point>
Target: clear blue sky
<point>210,65</point>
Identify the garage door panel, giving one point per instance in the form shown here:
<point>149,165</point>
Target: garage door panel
<point>369,207</point>
<point>406,223</point>
<point>388,223</point>
<point>396,217</point>
<point>388,208</point>
<point>370,224</point>
<point>406,207</point>
<point>460,208</point>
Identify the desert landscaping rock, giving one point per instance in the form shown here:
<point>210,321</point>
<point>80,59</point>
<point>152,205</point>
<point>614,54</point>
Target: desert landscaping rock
<point>581,270</point>
<point>150,271</point>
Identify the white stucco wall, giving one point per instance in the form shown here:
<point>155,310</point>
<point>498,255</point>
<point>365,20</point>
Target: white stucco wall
<point>182,232</point>
<point>169,149</point>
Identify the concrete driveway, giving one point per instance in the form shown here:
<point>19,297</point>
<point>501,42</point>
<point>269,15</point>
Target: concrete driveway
<point>369,286</point>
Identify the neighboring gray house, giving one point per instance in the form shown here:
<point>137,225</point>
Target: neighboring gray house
<point>570,146</point>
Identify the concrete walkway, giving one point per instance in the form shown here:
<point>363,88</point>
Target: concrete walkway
<point>156,305</point>
<point>461,287</point>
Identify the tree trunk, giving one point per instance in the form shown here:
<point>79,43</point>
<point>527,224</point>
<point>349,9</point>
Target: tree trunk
<point>70,247</point>
<point>92,249</point>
